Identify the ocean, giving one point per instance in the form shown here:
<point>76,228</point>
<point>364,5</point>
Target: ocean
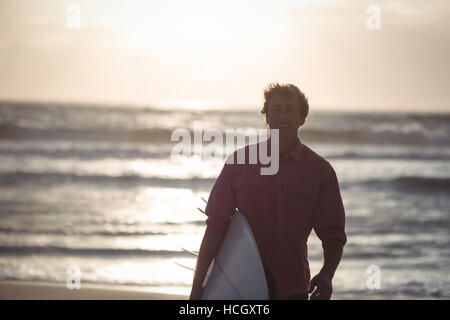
<point>96,187</point>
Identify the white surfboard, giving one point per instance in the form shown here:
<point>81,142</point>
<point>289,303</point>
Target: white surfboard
<point>237,272</point>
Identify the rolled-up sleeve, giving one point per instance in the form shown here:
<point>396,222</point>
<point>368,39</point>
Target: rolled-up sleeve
<point>221,201</point>
<point>329,215</point>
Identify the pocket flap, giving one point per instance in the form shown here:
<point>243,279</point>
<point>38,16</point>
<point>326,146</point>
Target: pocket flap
<point>297,191</point>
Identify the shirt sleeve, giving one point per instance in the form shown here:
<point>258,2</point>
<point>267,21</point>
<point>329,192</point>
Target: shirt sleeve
<point>221,201</point>
<point>329,216</point>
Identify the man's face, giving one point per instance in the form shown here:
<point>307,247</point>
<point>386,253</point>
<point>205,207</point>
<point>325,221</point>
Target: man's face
<point>284,114</point>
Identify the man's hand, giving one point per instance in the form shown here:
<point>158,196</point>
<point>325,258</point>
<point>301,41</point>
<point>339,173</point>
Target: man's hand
<point>332,252</point>
<point>323,287</point>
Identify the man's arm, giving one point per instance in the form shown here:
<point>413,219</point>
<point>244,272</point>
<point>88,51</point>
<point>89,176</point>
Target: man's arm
<point>211,243</point>
<point>329,225</point>
<point>332,253</point>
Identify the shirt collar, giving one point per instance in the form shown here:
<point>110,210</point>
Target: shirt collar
<point>296,151</point>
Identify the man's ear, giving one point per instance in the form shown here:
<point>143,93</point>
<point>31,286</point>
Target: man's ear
<point>302,122</point>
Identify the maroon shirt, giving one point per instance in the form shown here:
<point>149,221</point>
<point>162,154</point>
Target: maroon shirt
<point>282,210</point>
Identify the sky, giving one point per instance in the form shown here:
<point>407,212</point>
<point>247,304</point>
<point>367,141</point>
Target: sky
<point>206,53</point>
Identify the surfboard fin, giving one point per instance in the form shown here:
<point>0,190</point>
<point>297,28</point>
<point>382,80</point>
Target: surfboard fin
<point>183,266</point>
<point>194,253</point>
<point>202,211</point>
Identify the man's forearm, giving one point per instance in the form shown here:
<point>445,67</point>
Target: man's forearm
<point>332,253</point>
<point>210,246</point>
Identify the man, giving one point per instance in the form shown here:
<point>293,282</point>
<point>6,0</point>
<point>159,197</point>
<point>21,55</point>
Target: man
<point>281,209</point>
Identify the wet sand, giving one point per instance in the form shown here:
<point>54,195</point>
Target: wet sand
<point>20,290</point>
<point>12,290</point>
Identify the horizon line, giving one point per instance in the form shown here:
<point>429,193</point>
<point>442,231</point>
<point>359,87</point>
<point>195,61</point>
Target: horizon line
<point>231,108</point>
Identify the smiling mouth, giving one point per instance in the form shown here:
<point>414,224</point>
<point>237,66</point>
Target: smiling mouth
<point>283,126</point>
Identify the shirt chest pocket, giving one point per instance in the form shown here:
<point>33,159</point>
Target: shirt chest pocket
<point>298,202</point>
<point>297,191</point>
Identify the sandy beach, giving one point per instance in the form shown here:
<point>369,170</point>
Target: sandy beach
<point>16,290</point>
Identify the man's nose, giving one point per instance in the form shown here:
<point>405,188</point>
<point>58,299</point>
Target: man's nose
<point>284,115</point>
